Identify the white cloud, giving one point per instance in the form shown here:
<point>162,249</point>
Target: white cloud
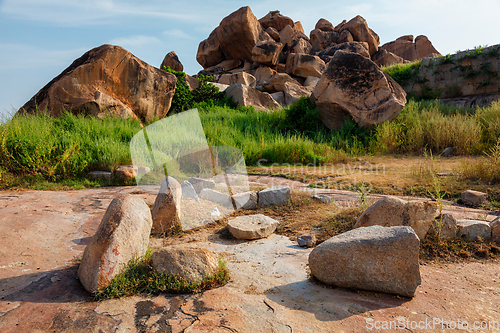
<point>77,13</point>
<point>135,41</point>
<point>177,33</point>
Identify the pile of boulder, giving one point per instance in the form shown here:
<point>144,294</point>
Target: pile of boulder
<point>271,62</point>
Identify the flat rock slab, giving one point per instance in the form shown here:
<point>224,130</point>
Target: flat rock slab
<point>252,226</point>
<point>269,288</point>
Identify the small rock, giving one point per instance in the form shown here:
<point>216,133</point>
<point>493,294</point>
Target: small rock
<point>448,152</point>
<point>188,191</point>
<point>373,258</point>
<point>217,197</point>
<point>306,241</point>
<point>246,200</point>
<point>392,211</point>
<point>446,173</point>
<point>473,198</point>
<point>252,226</point>
<point>126,172</point>
<point>122,235</point>
<point>474,229</point>
<point>323,198</point>
<point>277,195</point>
<point>200,183</point>
<point>495,230</point>
<point>187,262</point>
<point>447,224</point>
<point>104,175</point>
<point>214,213</point>
<point>167,207</point>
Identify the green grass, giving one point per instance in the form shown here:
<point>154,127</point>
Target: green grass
<point>140,277</point>
<point>403,73</point>
<point>38,151</point>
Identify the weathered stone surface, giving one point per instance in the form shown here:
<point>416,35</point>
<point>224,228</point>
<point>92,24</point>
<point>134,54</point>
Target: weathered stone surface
<point>495,230</point>
<point>122,235</point>
<point>188,191</point>
<point>200,183</point>
<point>224,66</point>
<point>277,82</point>
<point>474,229</point>
<point>354,47</point>
<point>276,20</point>
<point>217,197</point>
<point>354,86</point>
<point>345,37</point>
<point>306,241</point>
<point>246,200</point>
<point>323,198</point>
<point>107,80</point>
<point>247,96</point>
<point>192,82</point>
<point>252,226</point>
<point>286,34</point>
<point>222,87</point>
<point>298,27</point>
<point>293,92</point>
<point>392,211</point>
<point>172,60</point>
<point>311,81</point>
<point>264,74</point>
<point>405,48</point>
<point>167,208</point>
<point>473,198</point>
<point>300,45</point>
<point>304,65</point>
<point>321,40</point>
<point>126,172</point>
<point>385,58</point>
<point>209,51</point>
<point>273,33</point>
<point>279,97</point>
<point>267,52</point>
<point>277,195</point>
<point>190,262</point>
<point>105,175</point>
<point>238,78</point>
<point>361,33</point>
<point>239,32</point>
<point>373,258</point>
<point>446,225</point>
<point>324,25</point>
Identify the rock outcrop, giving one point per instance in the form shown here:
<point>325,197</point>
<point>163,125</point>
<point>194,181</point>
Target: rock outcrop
<point>245,95</point>
<point>374,258</point>
<point>107,80</point>
<point>405,48</point>
<point>354,87</point>
<point>122,235</point>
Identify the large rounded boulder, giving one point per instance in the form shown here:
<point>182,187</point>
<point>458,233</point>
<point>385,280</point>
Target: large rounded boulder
<point>353,86</point>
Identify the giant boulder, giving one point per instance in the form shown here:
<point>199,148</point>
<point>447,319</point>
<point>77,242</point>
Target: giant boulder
<point>374,258</point>
<point>209,51</point>
<point>107,80</point>
<point>304,65</point>
<point>172,60</point>
<point>354,87</point>
<point>122,235</point>
<point>276,20</point>
<point>239,32</point>
<point>407,49</point>
<point>267,52</point>
<point>362,33</point>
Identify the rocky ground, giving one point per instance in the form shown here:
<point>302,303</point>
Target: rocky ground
<point>43,235</point>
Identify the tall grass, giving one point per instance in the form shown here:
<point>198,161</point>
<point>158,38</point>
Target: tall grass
<point>65,147</point>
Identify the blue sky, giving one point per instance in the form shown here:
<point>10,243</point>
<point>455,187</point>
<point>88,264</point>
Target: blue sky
<point>40,38</point>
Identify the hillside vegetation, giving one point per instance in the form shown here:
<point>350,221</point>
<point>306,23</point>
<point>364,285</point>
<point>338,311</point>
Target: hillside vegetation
<point>38,149</point>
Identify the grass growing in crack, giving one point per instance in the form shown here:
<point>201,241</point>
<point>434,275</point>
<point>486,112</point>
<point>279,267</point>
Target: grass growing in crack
<point>141,278</point>
<point>434,247</point>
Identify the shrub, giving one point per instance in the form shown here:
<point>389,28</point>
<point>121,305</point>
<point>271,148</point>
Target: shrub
<point>403,73</point>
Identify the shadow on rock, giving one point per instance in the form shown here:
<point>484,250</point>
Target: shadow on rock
<point>329,303</point>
